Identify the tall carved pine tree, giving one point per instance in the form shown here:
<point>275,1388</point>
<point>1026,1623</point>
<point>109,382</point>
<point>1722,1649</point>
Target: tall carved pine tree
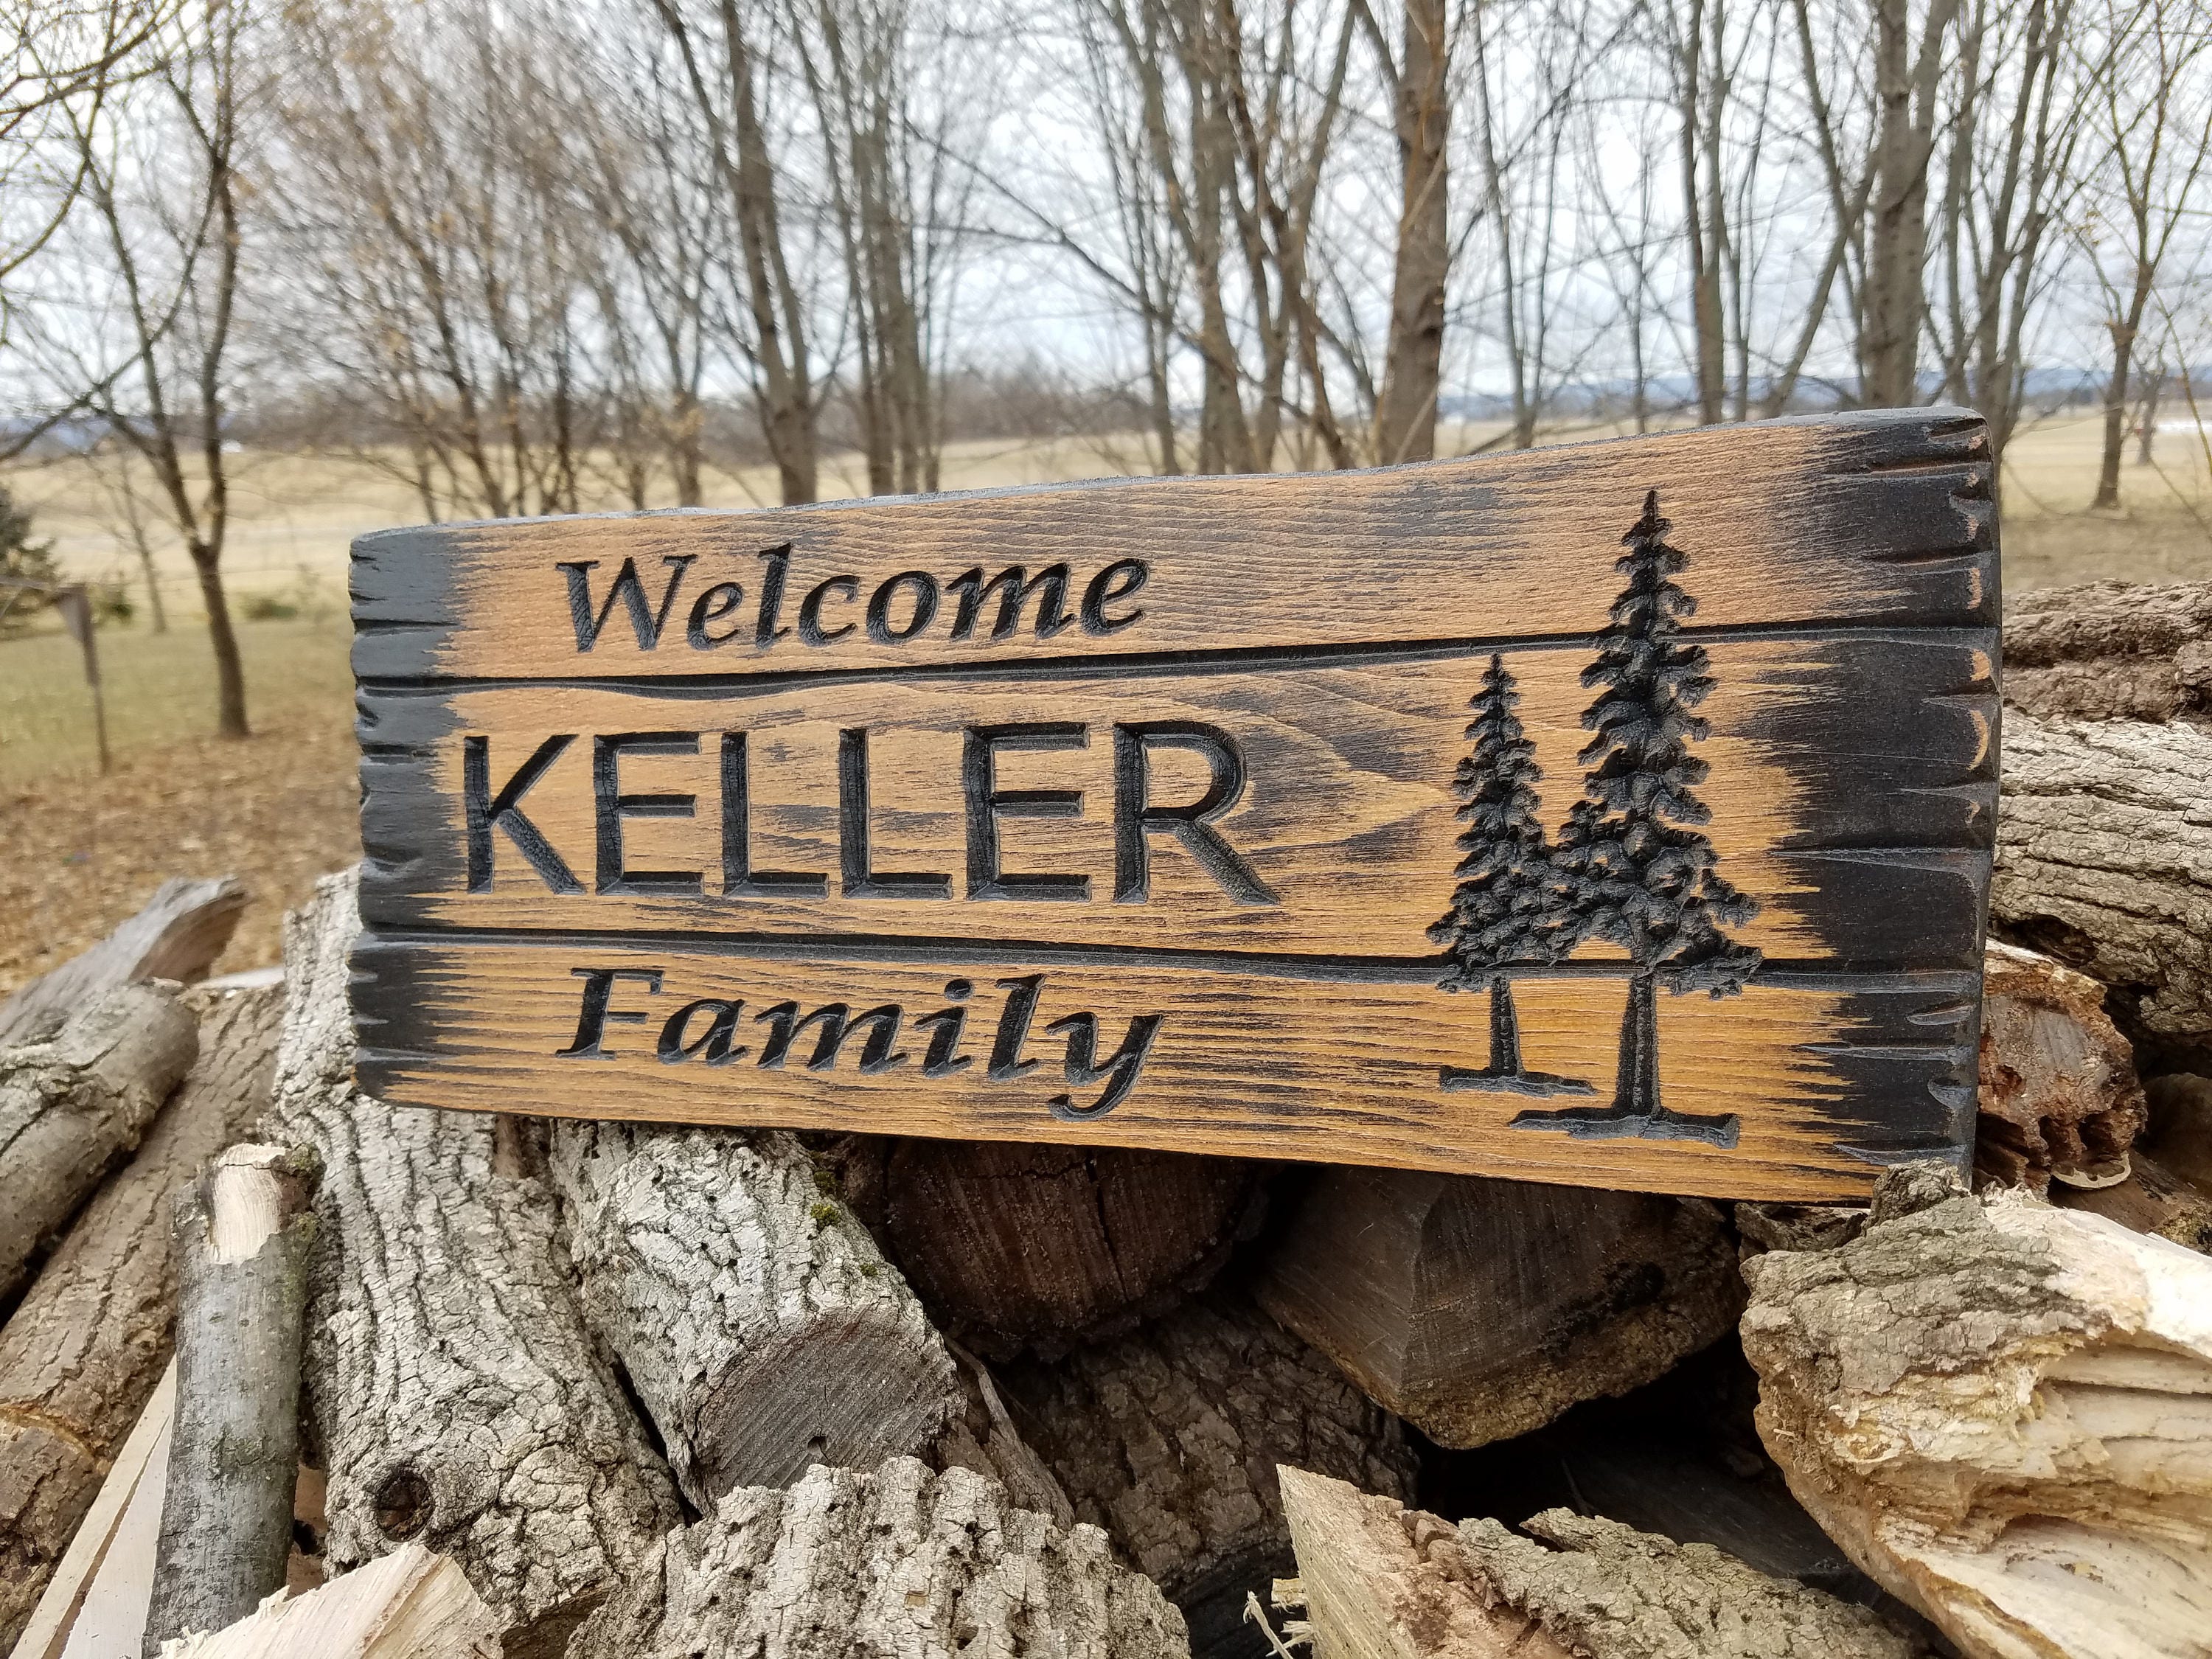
<point>1641,875</point>
<point>1505,910</point>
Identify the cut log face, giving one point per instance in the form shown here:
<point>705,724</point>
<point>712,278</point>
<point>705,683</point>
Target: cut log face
<point>2000,1410</point>
<point>2104,859</point>
<point>455,1393</point>
<point>71,1108</point>
<point>1013,1245</point>
<point>760,1327</point>
<point>83,1350</point>
<point>1168,1438</point>
<point>410,1605</point>
<point>896,1561</point>
<point>2111,651</point>
<point>177,936</point>
<point>1480,1310</point>
<point>2059,1097</point>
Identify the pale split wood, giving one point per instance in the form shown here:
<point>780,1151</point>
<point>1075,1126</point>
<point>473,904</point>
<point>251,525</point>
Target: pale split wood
<point>897,1560</point>
<point>71,1107</point>
<point>408,1605</point>
<point>82,1351</point>
<point>2059,1098</point>
<point>177,934</point>
<point>2004,1411</point>
<point>455,1393</point>
<point>758,1324</point>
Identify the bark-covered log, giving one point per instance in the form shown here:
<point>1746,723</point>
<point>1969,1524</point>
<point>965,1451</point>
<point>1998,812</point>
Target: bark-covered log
<point>2104,859</point>
<point>409,1605</point>
<point>2111,651</point>
<point>177,936</point>
<point>82,1352</point>
<point>1478,1309</point>
<point>896,1561</point>
<point>242,1235</point>
<point>760,1327</point>
<point>1998,1409</point>
<point>2059,1095</point>
<point>71,1108</point>
<point>2152,1199</point>
<point>2180,1133</point>
<point>1168,1438</point>
<point>453,1392</point>
<point>1014,1246</point>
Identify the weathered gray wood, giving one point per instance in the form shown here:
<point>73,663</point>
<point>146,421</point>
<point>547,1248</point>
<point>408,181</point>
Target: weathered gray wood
<point>1168,1438</point>
<point>896,1561</point>
<point>1480,1310</point>
<point>455,1393</point>
<point>242,1233</point>
<point>70,1108</point>
<point>82,1351</point>
<point>1998,1409</point>
<point>2104,859</point>
<point>2111,651</point>
<point>177,935</point>
<point>759,1324</point>
<point>2059,1098</point>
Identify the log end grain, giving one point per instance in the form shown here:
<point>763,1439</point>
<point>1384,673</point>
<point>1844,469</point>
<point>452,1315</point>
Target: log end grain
<point>2059,1098</point>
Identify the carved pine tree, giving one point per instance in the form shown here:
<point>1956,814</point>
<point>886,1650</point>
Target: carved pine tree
<point>1640,874</point>
<point>1506,911</point>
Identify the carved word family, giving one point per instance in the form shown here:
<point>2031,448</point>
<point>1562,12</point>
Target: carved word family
<point>1618,815</point>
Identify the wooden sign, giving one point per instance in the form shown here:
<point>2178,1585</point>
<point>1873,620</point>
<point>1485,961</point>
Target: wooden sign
<point>1618,814</point>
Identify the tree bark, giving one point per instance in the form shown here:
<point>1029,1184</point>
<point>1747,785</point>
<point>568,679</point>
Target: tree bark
<point>452,1388</point>
<point>177,935</point>
<point>2104,860</point>
<point>242,1232</point>
<point>896,1561</point>
<point>1996,1408</point>
<point>1168,1439</point>
<point>1405,412</point>
<point>410,1605</point>
<point>83,1353</point>
<point>2059,1097</point>
<point>754,1316</point>
<point>2111,651</point>
<point>70,1108</point>
<point>1480,1310</point>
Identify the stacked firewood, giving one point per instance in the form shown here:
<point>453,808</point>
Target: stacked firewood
<point>541,1388</point>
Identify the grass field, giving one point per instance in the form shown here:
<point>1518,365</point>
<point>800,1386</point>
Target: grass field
<point>83,851</point>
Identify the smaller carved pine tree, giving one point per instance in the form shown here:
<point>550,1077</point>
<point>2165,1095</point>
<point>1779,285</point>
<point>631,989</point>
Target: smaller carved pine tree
<point>1505,908</point>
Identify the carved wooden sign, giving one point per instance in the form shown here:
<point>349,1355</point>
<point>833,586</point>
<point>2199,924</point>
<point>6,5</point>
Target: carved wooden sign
<point>1618,814</point>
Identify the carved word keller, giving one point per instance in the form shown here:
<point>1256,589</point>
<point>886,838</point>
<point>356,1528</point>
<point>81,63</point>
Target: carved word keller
<point>1618,815</point>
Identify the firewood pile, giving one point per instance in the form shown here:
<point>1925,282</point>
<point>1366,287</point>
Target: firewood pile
<point>284,1372</point>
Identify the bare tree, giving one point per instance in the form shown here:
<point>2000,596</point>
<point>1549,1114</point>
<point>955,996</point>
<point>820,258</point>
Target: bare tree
<point>1418,77</point>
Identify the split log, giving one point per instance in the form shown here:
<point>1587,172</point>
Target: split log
<point>83,1352</point>
<point>2059,1095</point>
<point>71,1108</point>
<point>2111,651</point>
<point>2153,1201</point>
<point>1480,1310</point>
<point>453,1389</point>
<point>242,1233</point>
<point>757,1323</point>
<point>1999,1409</point>
<point>896,1561</point>
<point>2104,860</point>
<point>410,1605</point>
<point>2180,1133</point>
<point>177,936</point>
<point>1013,1246</point>
<point>1168,1438</point>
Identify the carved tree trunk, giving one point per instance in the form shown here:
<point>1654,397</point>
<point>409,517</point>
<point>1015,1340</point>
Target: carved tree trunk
<point>757,1323</point>
<point>1480,1310</point>
<point>243,1232</point>
<point>454,1392</point>
<point>82,1352</point>
<point>1168,1439</point>
<point>1998,1408</point>
<point>179,934</point>
<point>2111,651</point>
<point>898,1561</point>
<point>2059,1095</point>
<point>71,1108</point>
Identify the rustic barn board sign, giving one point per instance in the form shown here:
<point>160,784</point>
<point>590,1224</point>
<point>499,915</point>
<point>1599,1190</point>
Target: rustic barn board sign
<point>1618,814</point>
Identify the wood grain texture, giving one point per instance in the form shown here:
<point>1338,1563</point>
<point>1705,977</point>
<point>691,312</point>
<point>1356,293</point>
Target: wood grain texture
<point>1208,774</point>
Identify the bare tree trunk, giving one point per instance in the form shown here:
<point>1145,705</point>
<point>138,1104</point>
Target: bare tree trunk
<point>1405,413</point>
<point>1906,77</point>
<point>229,666</point>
